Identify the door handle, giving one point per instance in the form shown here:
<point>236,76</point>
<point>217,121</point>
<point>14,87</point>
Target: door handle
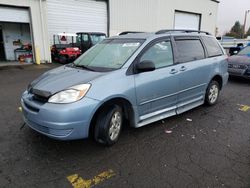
<point>173,71</point>
<point>183,68</point>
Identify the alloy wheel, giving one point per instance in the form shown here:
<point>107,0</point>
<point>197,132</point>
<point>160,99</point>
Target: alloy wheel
<point>213,94</point>
<point>115,125</point>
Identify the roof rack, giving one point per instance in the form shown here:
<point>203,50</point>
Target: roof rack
<point>129,32</point>
<point>181,31</point>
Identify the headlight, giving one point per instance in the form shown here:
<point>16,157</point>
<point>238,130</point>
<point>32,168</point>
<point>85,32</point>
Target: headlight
<point>70,95</point>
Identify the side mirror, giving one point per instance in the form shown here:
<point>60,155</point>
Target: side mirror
<point>145,66</point>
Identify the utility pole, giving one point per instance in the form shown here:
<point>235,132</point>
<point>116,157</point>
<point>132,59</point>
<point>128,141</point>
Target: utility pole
<point>245,23</point>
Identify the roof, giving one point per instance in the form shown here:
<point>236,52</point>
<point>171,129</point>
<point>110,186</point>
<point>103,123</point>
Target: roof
<point>91,33</point>
<point>135,36</point>
<point>147,35</point>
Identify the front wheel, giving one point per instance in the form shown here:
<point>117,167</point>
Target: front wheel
<point>212,93</point>
<point>108,125</point>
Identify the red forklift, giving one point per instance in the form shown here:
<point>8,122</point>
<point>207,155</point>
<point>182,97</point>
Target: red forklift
<point>68,47</point>
<point>64,50</point>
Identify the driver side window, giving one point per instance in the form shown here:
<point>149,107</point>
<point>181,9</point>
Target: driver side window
<point>160,54</point>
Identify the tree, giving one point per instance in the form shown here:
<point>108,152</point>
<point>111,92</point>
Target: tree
<point>248,33</point>
<point>237,28</point>
<point>236,31</point>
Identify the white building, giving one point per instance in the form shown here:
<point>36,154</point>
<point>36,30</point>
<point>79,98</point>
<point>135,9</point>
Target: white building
<point>35,21</point>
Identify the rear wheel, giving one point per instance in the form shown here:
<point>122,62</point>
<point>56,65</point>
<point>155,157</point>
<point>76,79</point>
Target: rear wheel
<point>212,93</point>
<point>108,125</point>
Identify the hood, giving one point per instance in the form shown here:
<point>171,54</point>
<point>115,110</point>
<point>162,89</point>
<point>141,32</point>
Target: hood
<point>242,59</point>
<point>60,79</point>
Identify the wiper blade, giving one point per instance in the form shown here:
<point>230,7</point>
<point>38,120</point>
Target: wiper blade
<point>84,67</point>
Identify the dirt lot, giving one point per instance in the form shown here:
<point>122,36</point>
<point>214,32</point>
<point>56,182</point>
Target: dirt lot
<point>212,150</point>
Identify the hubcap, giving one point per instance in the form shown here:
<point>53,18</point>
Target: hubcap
<point>213,94</point>
<point>115,125</point>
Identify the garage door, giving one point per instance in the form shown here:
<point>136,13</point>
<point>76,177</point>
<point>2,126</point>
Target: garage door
<point>12,14</point>
<point>73,16</point>
<point>187,20</point>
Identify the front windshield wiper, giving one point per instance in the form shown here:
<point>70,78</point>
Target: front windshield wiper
<point>83,66</point>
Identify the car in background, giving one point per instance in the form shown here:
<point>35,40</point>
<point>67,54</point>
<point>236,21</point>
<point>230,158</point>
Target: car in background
<point>232,45</point>
<point>85,40</point>
<point>239,64</point>
<point>137,77</point>
<point>68,47</point>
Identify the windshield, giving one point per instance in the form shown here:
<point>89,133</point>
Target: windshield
<point>82,37</point>
<point>96,38</point>
<point>110,54</point>
<point>245,51</point>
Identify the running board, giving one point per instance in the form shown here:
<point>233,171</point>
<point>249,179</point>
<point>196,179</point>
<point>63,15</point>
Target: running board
<point>168,112</point>
<point>155,118</point>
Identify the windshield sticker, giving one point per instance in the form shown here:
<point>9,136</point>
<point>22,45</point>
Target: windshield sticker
<point>131,44</point>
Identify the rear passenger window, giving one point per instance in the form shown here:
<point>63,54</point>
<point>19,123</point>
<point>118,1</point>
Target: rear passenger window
<point>189,50</point>
<point>160,53</point>
<point>213,48</point>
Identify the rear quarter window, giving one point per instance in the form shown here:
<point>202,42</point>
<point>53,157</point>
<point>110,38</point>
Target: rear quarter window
<point>212,46</point>
<point>189,50</point>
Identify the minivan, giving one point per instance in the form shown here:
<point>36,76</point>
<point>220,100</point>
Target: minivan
<point>128,80</point>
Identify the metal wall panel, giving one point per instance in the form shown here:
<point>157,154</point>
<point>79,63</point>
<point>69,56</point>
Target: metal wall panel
<point>73,16</point>
<point>153,15</point>
<point>12,14</point>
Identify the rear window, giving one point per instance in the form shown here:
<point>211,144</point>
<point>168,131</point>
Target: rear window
<point>212,46</point>
<point>189,50</point>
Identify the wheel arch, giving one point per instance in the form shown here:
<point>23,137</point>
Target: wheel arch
<point>219,79</point>
<point>124,103</point>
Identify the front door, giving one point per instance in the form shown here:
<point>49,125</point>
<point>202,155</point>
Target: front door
<point>156,91</point>
<point>85,42</point>
<point>2,54</point>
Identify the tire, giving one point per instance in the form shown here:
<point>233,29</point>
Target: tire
<point>212,93</point>
<point>53,57</point>
<point>108,125</point>
<point>62,59</point>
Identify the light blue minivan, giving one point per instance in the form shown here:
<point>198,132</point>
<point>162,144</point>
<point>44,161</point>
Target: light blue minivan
<point>129,80</point>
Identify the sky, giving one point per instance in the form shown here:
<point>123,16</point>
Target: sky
<point>231,11</point>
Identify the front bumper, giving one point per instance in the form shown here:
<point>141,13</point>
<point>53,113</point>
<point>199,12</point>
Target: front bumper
<point>59,121</point>
<point>244,73</point>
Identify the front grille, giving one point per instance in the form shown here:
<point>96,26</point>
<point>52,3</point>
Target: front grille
<point>40,98</point>
<point>47,130</point>
<point>237,66</point>
<point>248,71</point>
<point>242,67</point>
